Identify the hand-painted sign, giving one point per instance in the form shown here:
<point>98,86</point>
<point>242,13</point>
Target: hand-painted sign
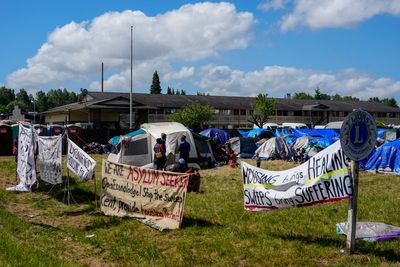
<point>153,197</point>
<point>26,164</point>
<point>323,178</point>
<point>358,135</point>
<point>80,163</point>
<point>50,158</point>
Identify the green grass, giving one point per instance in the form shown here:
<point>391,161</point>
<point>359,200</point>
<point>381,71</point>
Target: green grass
<point>39,229</point>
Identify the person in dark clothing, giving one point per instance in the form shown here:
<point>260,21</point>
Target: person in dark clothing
<point>159,155</point>
<point>184,149</point>
<point>163,141</point>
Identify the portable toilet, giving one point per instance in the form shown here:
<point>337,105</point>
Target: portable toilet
<point>55,130</point>
<point>40,129</point>
<point>6,141</point>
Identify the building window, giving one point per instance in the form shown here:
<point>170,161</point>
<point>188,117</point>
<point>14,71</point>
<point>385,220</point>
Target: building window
<point>243,112</point>
<point>170,110</point>
<point>227,111</point>
<point>297,113</point>
<point>216,111</point>
<point>392,115</point>
<point>235,112</point>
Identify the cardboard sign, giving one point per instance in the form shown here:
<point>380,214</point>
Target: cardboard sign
<point>323,178</point>
<point>154,197</point>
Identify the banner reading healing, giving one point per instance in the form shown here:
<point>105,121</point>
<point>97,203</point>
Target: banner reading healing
<point>50,158</point>
<point>80,163</point>
<point>323,178</point>
<point>156,198</point>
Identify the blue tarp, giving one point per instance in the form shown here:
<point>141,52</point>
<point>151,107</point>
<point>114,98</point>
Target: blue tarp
<point>115,140</point>
<point>385,157</point>
<point>316,132</point>
<point>261,133</point>
<point>223,136</point>
<point>283,131</point>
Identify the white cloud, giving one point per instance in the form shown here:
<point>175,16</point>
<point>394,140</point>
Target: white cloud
<point>272,5</point>
<point>278,80</point>
<point>75,51</point>
<point>319,14</point>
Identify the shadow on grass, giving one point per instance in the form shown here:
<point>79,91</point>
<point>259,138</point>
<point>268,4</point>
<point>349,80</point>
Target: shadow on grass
<point>362,247</point>
<point>310,239</point>
<point>190,222</point>
<point>60,193</point>
<point>105,222</point>
<point>371,249</point>
<point>45,226</point>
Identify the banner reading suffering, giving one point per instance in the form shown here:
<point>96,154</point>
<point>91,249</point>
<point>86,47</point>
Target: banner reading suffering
<point>79,162</point>
<point>50,158</point>
<point>156,198</point>
<point>25,164</point>
<point>323,178</point>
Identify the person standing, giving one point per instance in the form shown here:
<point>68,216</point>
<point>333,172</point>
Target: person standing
<point>163,142</point>
<point>159,154</point>
<point>184,149</point>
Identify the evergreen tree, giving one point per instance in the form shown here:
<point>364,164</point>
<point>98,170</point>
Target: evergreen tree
<point>155,87</point>
<point>169,91</point>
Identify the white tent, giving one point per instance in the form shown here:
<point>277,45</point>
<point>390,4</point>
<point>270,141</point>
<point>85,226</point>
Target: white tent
<point>138,149</point>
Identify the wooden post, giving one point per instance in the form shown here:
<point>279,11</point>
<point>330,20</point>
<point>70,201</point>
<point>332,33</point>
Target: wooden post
<point>352,213</point>
<point>95,191</point>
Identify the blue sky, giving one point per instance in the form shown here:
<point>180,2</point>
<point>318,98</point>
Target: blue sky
<point>349,47</point>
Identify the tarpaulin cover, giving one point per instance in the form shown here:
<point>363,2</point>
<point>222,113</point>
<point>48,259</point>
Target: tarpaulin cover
<point>370,231</point>
<point>317,132</point>
<point>276,148</point>
<point>115,140</point>
<point>386,158</point>
<point>283,131</point>
<point>261,133</point>
<point>211,132</point>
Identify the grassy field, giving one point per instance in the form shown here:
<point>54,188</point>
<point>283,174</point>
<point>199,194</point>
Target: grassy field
<point>39,229</point>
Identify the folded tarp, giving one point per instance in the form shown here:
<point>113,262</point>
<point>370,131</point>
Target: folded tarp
<point>370,231</point>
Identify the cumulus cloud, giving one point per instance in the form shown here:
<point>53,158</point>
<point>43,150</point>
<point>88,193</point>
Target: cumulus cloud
<point>272,5</point>
<point>278,80</point>
<point>319,14</point>
<point>194,31</point>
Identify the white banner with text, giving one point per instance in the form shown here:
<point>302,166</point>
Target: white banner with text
<point>323,178</point>
<point>50,158</point>
<point>79,162</point>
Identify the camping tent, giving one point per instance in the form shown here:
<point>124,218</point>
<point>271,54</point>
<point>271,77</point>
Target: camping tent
<point>137,148</point>
<point>276,148</point>
<point>211,132</point>
<point>242,146</point>
<point>385,159</point>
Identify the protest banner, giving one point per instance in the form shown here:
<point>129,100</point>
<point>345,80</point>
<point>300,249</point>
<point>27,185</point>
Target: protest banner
<point>79,162</point>
<point>50,158</point>
<point>323,178</point>
<point>156,198</point>
<point>25,163</point>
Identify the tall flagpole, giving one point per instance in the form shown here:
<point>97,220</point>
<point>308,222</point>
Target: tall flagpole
<point>130,97</point>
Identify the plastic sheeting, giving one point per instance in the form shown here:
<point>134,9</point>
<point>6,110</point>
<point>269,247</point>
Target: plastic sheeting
<point>222,135</point>
<point>261,133</point>
<point>115,140</point>
<point>385,159</point>
<point>370,231</point>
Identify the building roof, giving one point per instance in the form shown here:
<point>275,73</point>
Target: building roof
<point>115,100</point>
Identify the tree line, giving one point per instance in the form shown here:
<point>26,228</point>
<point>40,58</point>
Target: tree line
<point>42,101</point>
<point>318,95</point>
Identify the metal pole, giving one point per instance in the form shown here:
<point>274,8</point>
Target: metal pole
<point>130,96</point>
<point>352,213</point>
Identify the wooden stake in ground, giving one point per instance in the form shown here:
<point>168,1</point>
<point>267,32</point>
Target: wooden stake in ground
<point>352,213</point>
